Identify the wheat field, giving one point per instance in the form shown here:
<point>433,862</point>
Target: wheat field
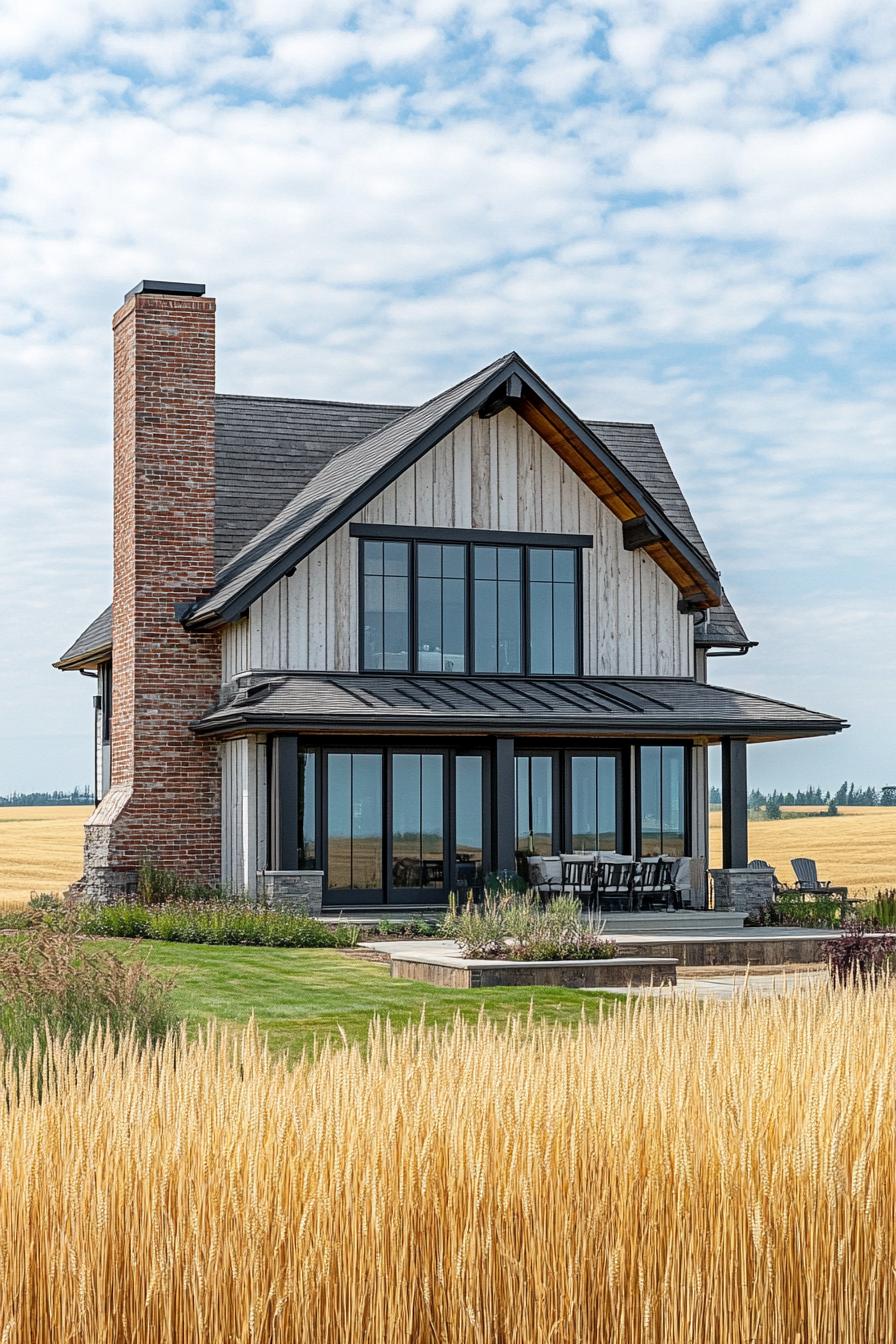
<point>676,1172</point>
<point>856,849</point>
<point>40,850</point>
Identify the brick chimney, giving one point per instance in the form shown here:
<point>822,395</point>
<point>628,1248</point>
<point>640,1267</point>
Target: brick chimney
<point>164,801</point>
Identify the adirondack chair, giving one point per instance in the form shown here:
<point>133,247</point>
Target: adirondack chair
<point>808,883</point>
<point>764,867</point>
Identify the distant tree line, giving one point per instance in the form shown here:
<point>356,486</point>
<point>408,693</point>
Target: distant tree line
<point>58,798</point>
<point>848,795</point>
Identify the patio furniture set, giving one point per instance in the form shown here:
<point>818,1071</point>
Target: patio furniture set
<point>609,881</point>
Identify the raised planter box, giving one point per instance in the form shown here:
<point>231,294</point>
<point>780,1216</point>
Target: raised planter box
<point>461,973</point>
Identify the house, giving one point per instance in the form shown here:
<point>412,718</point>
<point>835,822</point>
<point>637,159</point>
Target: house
<point>370,653</point>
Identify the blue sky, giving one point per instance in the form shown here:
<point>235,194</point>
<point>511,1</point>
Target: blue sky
<point>679,211</point>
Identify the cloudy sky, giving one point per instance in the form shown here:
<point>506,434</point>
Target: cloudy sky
<point>679,211</point>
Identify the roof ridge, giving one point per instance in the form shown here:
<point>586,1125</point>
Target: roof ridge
<point>312,401</point>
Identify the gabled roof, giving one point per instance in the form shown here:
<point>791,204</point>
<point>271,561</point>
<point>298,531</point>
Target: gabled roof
<point>92,646</point>
<point>349,480</point>
<point>631,706</point>
<point>269,449</point>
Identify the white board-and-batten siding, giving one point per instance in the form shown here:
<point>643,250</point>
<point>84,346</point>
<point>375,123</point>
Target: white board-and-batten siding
<point>498,475</point>
<point>243,812</point>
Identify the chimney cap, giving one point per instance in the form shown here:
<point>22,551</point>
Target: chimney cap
<point>165,287</point>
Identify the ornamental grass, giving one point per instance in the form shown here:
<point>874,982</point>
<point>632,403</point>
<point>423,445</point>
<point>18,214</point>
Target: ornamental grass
<point>674,1172</point>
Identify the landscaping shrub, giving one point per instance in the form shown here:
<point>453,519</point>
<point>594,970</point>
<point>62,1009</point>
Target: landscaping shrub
<point>215,923</point>
<point>789,911</point>
<point>520,928</point>
<point>882,909</point>
<point>862,952</point>
<point>54,981</point>
<point>160,886</point>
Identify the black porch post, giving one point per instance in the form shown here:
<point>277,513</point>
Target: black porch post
<point>503,810</point>
<point>734,802</point>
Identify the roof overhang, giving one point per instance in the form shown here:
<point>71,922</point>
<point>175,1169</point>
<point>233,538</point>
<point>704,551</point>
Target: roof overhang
<point>625,708</point>
<point>512,383</point>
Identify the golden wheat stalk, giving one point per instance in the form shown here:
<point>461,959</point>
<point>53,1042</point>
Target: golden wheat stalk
<point>677,1172</point>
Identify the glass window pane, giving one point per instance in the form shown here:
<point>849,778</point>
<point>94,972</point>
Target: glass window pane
<point>508,562</point>
<point>509,627</point>
<point>673,814</point>
<point>432,822</point>
<point>429,624</point>
<point>564,566</point>
<point>485,620</point>
<point>564,629</point>
<point>373,557</point>
<point>339,820</point>
<point>651,812</point>
<point>367,821</point>
<point>583,778</point>
<point>468,822</point>
<point>406,820</point>
<point>429,560</point>
<point>534,804</point>
<point>453,561</point>
<point>485,562</point>
<point>607,804</point>
<point>373,623</point>
<point>418,843</point>
<point>540,564</point>
<point>395,557</point>
<point>454,625</point>
<point>307,783</point>
<point>541,639</point>
<point>395,624</point>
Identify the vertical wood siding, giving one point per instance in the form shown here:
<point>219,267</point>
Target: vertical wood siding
<point>243,809</point>
<point>495,474</point>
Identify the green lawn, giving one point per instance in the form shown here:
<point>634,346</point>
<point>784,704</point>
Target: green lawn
<point>299,993</point>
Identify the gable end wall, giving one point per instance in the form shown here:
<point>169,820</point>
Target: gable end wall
<point>495,474</point>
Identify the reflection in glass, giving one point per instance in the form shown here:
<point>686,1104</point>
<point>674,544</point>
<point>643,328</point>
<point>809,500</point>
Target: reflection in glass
<point>418,839</point>
<point>534,805</point>
<point>385,596</point>
<point>662,801</point>
<point>441,608</point>
<point>552,612</point>
<point>468,821</point>
<point>307,801</point>
<point>354,820</point>
<point>497,607</point>
<point>594,802</point>
<point>673,801</point>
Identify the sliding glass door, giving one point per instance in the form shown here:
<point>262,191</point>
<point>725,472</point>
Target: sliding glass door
<point>594,800</point>
<point>401,827</point>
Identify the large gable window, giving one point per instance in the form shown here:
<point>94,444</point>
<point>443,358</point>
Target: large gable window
<point>494,604</point>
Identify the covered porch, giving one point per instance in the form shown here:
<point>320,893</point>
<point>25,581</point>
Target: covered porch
<point>388,791</point>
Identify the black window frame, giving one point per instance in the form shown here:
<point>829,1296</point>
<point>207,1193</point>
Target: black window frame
<point>524,542</point>
<point>687,746</point>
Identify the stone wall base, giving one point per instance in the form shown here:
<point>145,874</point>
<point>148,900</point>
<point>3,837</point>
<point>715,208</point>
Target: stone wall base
<point>742,889</point>
<point>286,890</point>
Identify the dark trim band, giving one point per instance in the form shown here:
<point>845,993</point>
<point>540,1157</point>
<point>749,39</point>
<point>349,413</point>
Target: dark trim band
<point>395,532</point>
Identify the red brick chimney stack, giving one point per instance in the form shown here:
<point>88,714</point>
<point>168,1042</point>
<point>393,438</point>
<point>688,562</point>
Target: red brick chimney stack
<point>164,802</point>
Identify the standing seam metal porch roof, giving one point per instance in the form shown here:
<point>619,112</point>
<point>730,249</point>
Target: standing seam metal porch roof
<point>620,705</point>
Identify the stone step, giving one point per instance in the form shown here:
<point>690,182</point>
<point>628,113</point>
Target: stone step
<point>667,925</point>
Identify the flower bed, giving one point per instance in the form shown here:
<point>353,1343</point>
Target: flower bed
<point>517,927</point>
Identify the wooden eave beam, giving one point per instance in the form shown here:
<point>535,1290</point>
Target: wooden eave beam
<point>611,492</point>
